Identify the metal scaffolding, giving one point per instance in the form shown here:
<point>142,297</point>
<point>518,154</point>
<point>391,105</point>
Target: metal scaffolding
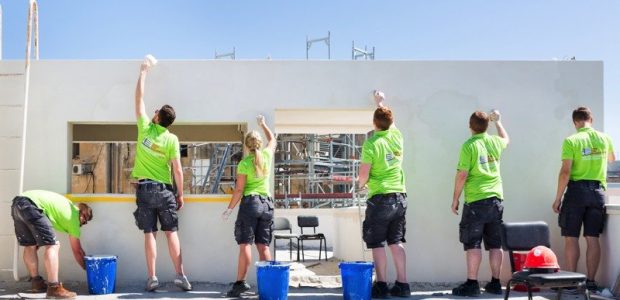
<point>316,170</point>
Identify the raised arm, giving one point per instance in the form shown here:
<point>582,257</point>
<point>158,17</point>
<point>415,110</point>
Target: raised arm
<point>379,98</point>
<point>501,132</point>
<point>271,140</point>
<point>140,110</point>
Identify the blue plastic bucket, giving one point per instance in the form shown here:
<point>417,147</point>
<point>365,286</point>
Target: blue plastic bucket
<point>272,277</point>
<point>100,273</point>
<point>356,279</point>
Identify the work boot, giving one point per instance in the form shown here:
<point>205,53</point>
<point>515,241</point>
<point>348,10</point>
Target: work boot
<point>467,289</point>
<point>57,291</point>
<point>400,289</point>
<point>182,283</point>
<point>38,284</point>
<point>493,287</point>
<point>237,288</point>
<point>380,290</point>
<point>152,284</point>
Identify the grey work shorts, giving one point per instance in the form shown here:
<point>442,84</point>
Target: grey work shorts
<point>482,221</point>
<point>385,220</point>
<point>583,204</point>
<point>32,227</point>
<point>254,222</point>
<point>156,201</point>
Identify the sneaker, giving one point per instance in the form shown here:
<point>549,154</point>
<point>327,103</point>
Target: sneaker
<point>238,288</point>
<point>38,285</point>
<point>591,285</point>
<point>493,288</point>
<point>380,290</point>
<point>152,284</point>
<point>467,290</point>
<point>182,283</point>
<point>400,289</point>
<point>57,291</point>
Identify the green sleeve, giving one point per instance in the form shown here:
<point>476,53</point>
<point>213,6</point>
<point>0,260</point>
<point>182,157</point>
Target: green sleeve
<point>74,226</point>
<point>367,153</point>
<point>567,150</point>
<point>464,159</point>
<point>175,149</point>
<point>242,168</point>
<point>610,147</point>
<point>143,124</point>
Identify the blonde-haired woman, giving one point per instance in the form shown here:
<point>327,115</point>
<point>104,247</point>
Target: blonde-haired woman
<point>255,217</point>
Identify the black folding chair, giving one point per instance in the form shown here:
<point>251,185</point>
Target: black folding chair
<point>282,224</point>
<point>525,236</point>
<point>310,221</point>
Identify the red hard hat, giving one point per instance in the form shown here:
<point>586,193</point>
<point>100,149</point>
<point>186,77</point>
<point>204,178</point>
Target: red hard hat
<point>541,257</point>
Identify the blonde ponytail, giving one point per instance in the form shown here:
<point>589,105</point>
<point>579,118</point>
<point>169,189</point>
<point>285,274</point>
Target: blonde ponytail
<point>254,142</point>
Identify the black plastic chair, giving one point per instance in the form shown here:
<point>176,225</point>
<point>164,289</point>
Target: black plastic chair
<point>523,237</point>
<point>282,224</point>
<point>305,222</point>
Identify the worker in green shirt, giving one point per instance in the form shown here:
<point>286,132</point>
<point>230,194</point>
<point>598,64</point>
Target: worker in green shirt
<point>156,150</point>
<point>382,173</point>
<point>254,224</point>
<point>582,182</point>
<point>36,214</point>
<point>478,174</point>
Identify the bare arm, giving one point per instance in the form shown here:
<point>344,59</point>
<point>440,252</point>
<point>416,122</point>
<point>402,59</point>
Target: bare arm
<point>501,132</point>
<point>78,252</point>
<point>379,98</point>
<point>178,180</point>
<point>238,193</point>
<point>611,157</point>
<point>271,140</point>
<point>562,183</point>
<point>363,175</point>
<point>459,183</point>
<point>140,109</point>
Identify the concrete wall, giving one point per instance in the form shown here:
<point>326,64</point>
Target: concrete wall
<point>431,101</point>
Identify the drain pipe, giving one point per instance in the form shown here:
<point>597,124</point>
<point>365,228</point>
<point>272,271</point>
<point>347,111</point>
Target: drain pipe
<point>33,29</point>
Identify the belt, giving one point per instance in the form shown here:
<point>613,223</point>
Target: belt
<point>587,183</point>
<point>150,182</point>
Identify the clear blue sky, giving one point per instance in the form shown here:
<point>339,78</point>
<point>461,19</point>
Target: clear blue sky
<point>418,30</point>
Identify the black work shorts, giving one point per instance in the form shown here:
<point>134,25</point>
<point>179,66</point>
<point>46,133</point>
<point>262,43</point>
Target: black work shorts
<point>482,221</point>
<point>254,220</point>
<point>155,201</point>
<point>584,203</point>
<point>32,227</point>
<point>385,220</point>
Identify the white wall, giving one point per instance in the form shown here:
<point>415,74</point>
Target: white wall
<point>432,102</point>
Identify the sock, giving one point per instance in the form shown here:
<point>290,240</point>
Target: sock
<point>382,283</point>
<point>471,282</point>
<point>494,280</point>
<point>52,284</point>
<point>240,281</point>
<point>400,283</point>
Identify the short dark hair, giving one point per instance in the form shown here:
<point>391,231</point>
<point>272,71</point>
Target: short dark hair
<point>582,113</point>
<point>479,122</point>
<point>383,118</point>
<point>166,115</point>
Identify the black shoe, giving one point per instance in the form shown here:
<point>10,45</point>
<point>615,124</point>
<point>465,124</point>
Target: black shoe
<point>591,285</point>
<point>400,289</point>
<point>380,290</point>
<point>467,290</point>
<point>493,288</point>
<point>238,288</point>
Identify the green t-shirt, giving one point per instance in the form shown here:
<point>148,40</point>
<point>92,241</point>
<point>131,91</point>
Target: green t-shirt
<point>65,216</point>
<point>588,149</point>
<point>255,185</point>
<point>384,152</point>
<point>155,148</point>
<point>480,156</point>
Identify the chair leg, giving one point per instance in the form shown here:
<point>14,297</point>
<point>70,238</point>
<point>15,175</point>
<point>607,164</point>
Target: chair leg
<point>290,249</point>
<point>303,255</point>
<point>587,294</point>
<point>529,291</point>
<point>320,248</point>
<point>508,287</point>
<point>297,250</point>
<point>559,293</point>
<point>274,249</point>
<point>325,248</point>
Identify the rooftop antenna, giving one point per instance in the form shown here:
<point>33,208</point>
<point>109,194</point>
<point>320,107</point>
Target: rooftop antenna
<point>327,41</point>
<point>230,55</point>
<point>358,52</point>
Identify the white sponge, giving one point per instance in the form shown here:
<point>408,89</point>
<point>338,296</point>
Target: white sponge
<point>150,60</point>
